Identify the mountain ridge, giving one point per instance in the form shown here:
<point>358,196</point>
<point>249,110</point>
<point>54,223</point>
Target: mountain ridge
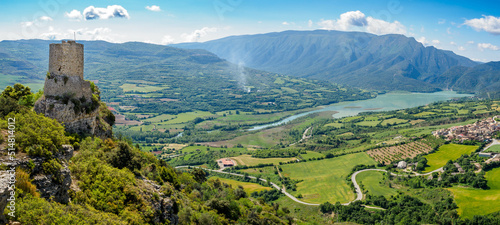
<point>393,61</point>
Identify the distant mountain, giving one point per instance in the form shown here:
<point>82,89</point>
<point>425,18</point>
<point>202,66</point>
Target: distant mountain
<point>386,62</point>
<point>483,79</point>
<point>147,76</point>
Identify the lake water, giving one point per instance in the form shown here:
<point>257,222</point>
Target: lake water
<point>385,102</point>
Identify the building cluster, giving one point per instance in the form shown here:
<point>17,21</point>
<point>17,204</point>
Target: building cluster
<point>478,131</point>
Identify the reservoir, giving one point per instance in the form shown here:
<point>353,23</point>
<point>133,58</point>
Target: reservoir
<point>385,102</point>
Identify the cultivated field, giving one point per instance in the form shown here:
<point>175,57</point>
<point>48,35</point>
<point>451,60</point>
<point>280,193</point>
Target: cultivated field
<point>476,201</point>
<point>249,187</point>
<point>250,161</point>
<point>494,148</point>
<point>447,152</point>
<point>386,155</point>
<point>324,180</point>
<point>371,182</point>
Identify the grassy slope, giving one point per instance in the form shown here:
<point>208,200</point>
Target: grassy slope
<point>479,202</point>
<point>445,153</point>
<point>324,180</point>
<point>249,187</point>
<point>370,181</point>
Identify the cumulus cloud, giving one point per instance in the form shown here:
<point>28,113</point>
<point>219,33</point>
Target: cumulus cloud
<point>74,15</point>
<point>357,20</point>
<point>423,40</point>
<point>453,43</point>
<point>483,46</point>
<point>153,8</point>
<point>489,24</point>
<point>112,11</point>
<point>27,24</point>
<point>310,23</point>
<point>197,34</point>
<point>436,42</point>
<point>167,39</point>
<point>461,48</point>
<point>285,23</point>
<point>470,42</point>
<point>441,21</point>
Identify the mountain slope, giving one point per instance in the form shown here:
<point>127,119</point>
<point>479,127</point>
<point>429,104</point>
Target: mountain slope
<point>146,76</point>
<point>387,62</point>
<point>484,79</point>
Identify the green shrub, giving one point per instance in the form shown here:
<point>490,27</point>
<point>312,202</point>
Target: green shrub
<point>53,167</point>
<point>38,135</point>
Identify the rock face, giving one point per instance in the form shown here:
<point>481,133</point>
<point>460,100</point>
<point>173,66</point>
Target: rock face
<point>164,207</point>
<point>46,186</point>
<point>69,98</point>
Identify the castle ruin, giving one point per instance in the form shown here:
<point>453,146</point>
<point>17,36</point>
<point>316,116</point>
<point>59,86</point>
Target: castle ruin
<point>69,98</point>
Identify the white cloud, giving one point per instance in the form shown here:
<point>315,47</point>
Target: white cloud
<point>357,20</point>
<point>285,23</point>
<point>27,24</point>
<point>470,42</point>
<point>153,8</point>
<point>74,15</point>
<point>167,39</point>
<point>441,21</point>
<point>483,46</point>
<point>489,24</point>
<point>197,34</point>
<point>310,23</point>
<point>448,30</point>
<point>436,42</point>
<point>461,48</point>
<point>36,21</point>
<point>423,40</point>
<point>112,11</point>
<point>45,18</point>
<point>453,43</point>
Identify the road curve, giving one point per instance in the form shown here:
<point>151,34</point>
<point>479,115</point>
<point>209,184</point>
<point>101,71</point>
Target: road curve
<point>359,193</point>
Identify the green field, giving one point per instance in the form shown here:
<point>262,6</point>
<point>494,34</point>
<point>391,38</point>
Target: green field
<point>368,123</point>
<point>476,201</point>
<point>311,154</point>
<point>494,148</point>
<point>445,153</point>
<point>250,161</point>
<point>249,187</point>
<point>370,181</point>
<point>324,180</point>
<point>141,87</point>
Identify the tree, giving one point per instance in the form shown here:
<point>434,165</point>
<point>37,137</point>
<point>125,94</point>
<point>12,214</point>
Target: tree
<point>21,94</point>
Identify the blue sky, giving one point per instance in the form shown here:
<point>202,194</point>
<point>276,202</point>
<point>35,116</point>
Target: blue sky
<point>468,28</point>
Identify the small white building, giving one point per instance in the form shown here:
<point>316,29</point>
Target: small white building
<point>401,165</point>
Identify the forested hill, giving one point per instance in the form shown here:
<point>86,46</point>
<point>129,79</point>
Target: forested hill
<point>386,62</point>
<point>143,75</point>
<point>484,79</point>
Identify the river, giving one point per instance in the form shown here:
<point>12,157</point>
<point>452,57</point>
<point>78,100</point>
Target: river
<point>385,102</point>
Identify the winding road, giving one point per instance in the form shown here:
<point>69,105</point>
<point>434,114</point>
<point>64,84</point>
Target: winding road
<point>359,193</point>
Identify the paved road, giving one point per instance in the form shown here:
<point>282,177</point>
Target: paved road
<point>359,194</point>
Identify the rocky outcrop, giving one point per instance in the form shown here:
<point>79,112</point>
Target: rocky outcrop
<point>45,183</point>
<point>163,206</point>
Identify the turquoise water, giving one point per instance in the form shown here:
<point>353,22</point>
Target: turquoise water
<point>385,102</point>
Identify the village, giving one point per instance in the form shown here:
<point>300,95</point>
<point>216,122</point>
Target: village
<point>478,131</point>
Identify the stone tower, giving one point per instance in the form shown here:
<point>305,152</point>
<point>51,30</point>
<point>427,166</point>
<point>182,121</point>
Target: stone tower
<point>69,98</point>
<point>66,59</point>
